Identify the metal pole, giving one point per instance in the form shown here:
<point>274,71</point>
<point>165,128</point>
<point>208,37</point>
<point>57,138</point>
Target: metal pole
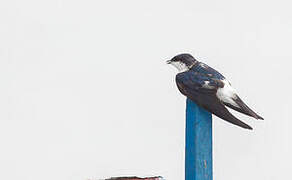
<point>198,152</point>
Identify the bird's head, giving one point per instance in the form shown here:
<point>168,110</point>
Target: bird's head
<point>182,62</point>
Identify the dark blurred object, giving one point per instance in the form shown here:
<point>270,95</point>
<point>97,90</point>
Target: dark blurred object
<point>136,178</point>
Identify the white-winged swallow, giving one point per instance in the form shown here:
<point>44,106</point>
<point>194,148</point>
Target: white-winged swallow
<point>209,89</point>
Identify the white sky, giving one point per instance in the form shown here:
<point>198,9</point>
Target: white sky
<point>85,91</point>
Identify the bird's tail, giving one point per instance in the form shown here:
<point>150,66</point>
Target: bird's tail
<point>217,108</point>
<point>243,108</point>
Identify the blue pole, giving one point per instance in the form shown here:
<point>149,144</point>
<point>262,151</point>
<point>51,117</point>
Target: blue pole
<point>198,152</point>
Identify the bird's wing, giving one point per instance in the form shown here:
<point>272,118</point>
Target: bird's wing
<point>201,88</point>
<point>243,108</point>
<point>226,93</point>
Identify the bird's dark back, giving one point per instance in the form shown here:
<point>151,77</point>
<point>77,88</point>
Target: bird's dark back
<point>202,68</point>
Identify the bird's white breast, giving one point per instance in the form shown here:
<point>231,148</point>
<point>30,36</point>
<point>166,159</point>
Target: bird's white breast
<point>181,67</point>
<point>227,93</point>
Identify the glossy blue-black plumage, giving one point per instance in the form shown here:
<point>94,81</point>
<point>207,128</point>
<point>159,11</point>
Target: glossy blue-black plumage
<point>204,69</point>
<point>198,76</point>
<point>200,83</point>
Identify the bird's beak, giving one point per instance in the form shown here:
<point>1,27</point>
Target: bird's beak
<point>168,61</point>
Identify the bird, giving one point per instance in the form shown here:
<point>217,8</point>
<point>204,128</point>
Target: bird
<point>209,89</point>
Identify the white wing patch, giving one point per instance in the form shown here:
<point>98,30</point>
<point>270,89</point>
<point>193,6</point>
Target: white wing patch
<point>203,65</point>
<point>207,86</point>
<point>227,93</point>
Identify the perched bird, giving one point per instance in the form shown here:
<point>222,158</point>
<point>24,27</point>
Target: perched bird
<point>209,89</point>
